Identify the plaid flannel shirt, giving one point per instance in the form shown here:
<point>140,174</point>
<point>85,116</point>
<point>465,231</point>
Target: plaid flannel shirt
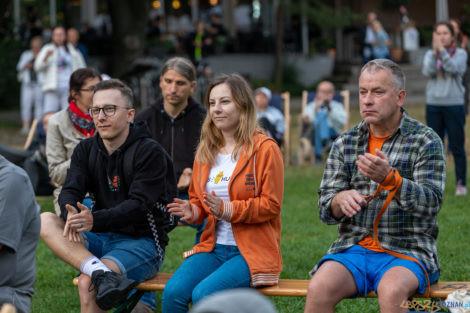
<point>409,225</point>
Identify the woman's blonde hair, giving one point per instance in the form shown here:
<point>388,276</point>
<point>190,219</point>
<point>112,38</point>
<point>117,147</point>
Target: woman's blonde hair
<point>212,138</point>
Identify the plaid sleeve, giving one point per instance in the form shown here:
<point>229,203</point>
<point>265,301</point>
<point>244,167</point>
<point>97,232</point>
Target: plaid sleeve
<point>422,196</point>
<point>335,179</point>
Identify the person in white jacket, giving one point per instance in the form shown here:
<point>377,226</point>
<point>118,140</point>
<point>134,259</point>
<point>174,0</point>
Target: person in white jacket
<point>57,60</point>
<point>31,83</point>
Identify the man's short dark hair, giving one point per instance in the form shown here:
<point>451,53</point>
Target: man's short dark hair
<point>118,85</point>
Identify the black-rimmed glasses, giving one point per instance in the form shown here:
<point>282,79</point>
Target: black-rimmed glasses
<point>108,110</point>
<point>90,89</point>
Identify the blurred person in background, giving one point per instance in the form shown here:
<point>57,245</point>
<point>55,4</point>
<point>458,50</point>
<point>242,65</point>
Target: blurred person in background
<point>57,60</point>
<point>445,64</point>
<point>381,43</point>
<point>269,117</point>
<point>31,85</point>
<point>462,42</point>
<point>73,37</point>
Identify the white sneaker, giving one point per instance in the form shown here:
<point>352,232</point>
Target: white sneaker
<point>460,189</point>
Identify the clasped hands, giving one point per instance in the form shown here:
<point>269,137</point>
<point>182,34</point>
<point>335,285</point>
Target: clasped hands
<point>182,208</point>
<point>77,221</point>
<point>437,45</point>
<point>350,202</point>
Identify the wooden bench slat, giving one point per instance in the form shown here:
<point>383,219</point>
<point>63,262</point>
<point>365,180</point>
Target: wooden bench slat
<point>298,287</point>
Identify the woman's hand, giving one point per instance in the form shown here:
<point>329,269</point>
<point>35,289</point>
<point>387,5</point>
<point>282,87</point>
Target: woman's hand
<point>436,43</point>
<point>213,202</point>
<point>180,208</point>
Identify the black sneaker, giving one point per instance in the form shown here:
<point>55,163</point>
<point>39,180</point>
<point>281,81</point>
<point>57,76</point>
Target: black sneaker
<point>112,288</point>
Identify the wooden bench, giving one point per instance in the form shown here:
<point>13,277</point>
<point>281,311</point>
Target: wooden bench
<point>286,288</point>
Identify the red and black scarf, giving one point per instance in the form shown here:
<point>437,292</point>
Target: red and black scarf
<point>83,122</point>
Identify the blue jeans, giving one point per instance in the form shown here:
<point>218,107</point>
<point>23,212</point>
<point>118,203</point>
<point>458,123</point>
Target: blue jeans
<point>323,131</point>
<point>135,257</point>
<point>203,274</point>
<point>451,119</point>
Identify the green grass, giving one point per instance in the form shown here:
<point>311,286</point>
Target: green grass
<point>304,241</point>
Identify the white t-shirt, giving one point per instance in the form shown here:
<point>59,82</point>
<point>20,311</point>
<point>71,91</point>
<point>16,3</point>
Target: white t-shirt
<point>64,67</point>
<point>219,178</point>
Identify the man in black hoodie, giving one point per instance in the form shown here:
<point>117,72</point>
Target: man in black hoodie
<point>175,119</point>
<point>119,242</point>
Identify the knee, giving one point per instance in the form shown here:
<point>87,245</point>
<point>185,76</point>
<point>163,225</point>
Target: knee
<point>315,288</point>
<point>392,293</point>
<point>173,291</point>
<point>199,293</point>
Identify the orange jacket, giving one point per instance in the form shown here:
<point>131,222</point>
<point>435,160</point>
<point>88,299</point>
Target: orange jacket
<point>255,190</point>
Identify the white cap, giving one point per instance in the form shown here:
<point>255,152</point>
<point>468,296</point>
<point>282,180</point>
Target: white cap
<point>266,92</point>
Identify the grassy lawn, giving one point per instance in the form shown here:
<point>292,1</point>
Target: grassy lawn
<point>304,241</point>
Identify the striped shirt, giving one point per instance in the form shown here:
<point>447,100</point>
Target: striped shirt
<point>409,225</point>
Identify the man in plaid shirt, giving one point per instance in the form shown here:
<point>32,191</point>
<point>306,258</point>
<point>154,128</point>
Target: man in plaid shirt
<point>383,185</point>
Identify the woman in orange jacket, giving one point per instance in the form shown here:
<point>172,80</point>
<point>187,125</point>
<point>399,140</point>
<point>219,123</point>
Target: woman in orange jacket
<point>237,184</point>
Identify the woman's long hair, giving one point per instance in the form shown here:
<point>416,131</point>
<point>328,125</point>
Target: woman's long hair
<point>212,138</point>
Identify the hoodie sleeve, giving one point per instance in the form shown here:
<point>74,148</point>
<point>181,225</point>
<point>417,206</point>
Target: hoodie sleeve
<point>148,186</point>
<point>76,182</point>
<point>269,169</point>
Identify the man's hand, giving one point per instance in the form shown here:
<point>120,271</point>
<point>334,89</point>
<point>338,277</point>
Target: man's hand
<point>180,208</point>
<point>77,222</point>
<point>185,179</point>
<point>347,202</point>
<point>69,232</point>
<point>213,202</point>
<point>374,167</point>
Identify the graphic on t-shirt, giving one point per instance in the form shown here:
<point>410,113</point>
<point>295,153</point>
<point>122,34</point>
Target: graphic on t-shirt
<point>115,183</point>
<point>218,178</point>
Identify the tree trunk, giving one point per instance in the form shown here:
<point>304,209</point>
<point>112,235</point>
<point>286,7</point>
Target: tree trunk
<point>278,72</point>
<point>129,20</point>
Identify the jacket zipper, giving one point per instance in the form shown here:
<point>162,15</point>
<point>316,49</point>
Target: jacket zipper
<point>172,137</point>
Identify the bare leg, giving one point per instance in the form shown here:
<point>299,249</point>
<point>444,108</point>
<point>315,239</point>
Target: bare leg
<point>330,284</point>
<point>396,286</point>
<point>73,253</point>
<point>88,298</point>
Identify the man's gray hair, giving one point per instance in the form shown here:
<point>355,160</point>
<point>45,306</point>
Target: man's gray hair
<point>399,79</point>
<point>182,65</point>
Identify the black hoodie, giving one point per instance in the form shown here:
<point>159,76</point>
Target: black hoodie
<point>178,136</point>
<point>121,199</point>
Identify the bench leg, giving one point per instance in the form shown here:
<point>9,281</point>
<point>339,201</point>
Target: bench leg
<point>130,303</point>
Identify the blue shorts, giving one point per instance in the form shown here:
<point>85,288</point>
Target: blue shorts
<point>368,267</point>
<point>135,257</point>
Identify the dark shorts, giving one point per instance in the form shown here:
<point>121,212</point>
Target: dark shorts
<point>368,267</point>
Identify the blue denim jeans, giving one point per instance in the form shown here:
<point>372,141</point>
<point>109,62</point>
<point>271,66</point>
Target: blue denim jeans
<point>323,131</point>
<point>451,119</point>
<point>135,257</point>
<point>203,274</point>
